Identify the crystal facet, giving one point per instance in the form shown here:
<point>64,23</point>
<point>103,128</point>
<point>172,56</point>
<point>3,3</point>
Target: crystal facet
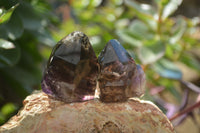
<point>137,83</point>
<point>72,70</point>
<point>119,75</point>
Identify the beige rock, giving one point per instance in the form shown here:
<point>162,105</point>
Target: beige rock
<point>42,114</point>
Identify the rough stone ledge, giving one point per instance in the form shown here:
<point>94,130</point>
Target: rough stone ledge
<point>42,114</point>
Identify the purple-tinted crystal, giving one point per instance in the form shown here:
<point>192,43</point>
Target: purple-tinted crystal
<point>72,70</point>
<point>119,76</point>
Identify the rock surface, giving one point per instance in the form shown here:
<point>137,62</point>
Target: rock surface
<point>42,114</point>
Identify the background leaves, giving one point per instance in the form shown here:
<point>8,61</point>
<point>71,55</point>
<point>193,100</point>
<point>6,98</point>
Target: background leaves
<point>23,29</point>
<point>5,15</point>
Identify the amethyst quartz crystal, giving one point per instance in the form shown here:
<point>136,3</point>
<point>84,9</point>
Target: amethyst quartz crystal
<point>120,78</point>
<point>72,70</point>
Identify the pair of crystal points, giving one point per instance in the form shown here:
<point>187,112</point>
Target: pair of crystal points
<point>73,71</point>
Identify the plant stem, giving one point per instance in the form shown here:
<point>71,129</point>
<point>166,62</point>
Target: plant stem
<point>159,21</point>
<point>191,108</point>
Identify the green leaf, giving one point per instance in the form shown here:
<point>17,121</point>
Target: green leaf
<point>136,33</point>
<point>2,118</point>
<point>8,108</point>
<point>30,18</point>
<point>170,8</point>
<point>161,2</point>
<point>3,33</point>
<point>9,57</point>
<point>143,9</point>
<point>129,38</point>
<point>24,77</point>
<point>44,37</point>
<point>5,16</point>
<point>14,27</point>
<point>140,30</point>
<point>174,92</point>
<point>178,30</point>
<point>151,52</point>
<point>6,44</point>
<point>169,51</point>
<point>21,79</point>
<point>167,69</point>
<point>144,12</point>
<point>191,40</point>
<point>191,61</point>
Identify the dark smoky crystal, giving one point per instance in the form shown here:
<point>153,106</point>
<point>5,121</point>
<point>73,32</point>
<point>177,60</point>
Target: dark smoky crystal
<point>118,71</point>
<point>72,70</point>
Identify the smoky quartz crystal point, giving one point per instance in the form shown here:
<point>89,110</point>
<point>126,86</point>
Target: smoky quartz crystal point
<point>120,78</point>
<point>72,70</point>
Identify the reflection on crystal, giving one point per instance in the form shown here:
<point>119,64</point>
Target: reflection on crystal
<point>72,69</point>
<point>85,98</point>
<point>118,70</point>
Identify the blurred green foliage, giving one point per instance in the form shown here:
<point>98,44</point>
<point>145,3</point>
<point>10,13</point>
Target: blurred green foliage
<point>29,28</point>
<point>23,28</point>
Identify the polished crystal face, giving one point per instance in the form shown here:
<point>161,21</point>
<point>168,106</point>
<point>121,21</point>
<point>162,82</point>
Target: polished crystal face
<point>72,70</point>
<point>119,76</point>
